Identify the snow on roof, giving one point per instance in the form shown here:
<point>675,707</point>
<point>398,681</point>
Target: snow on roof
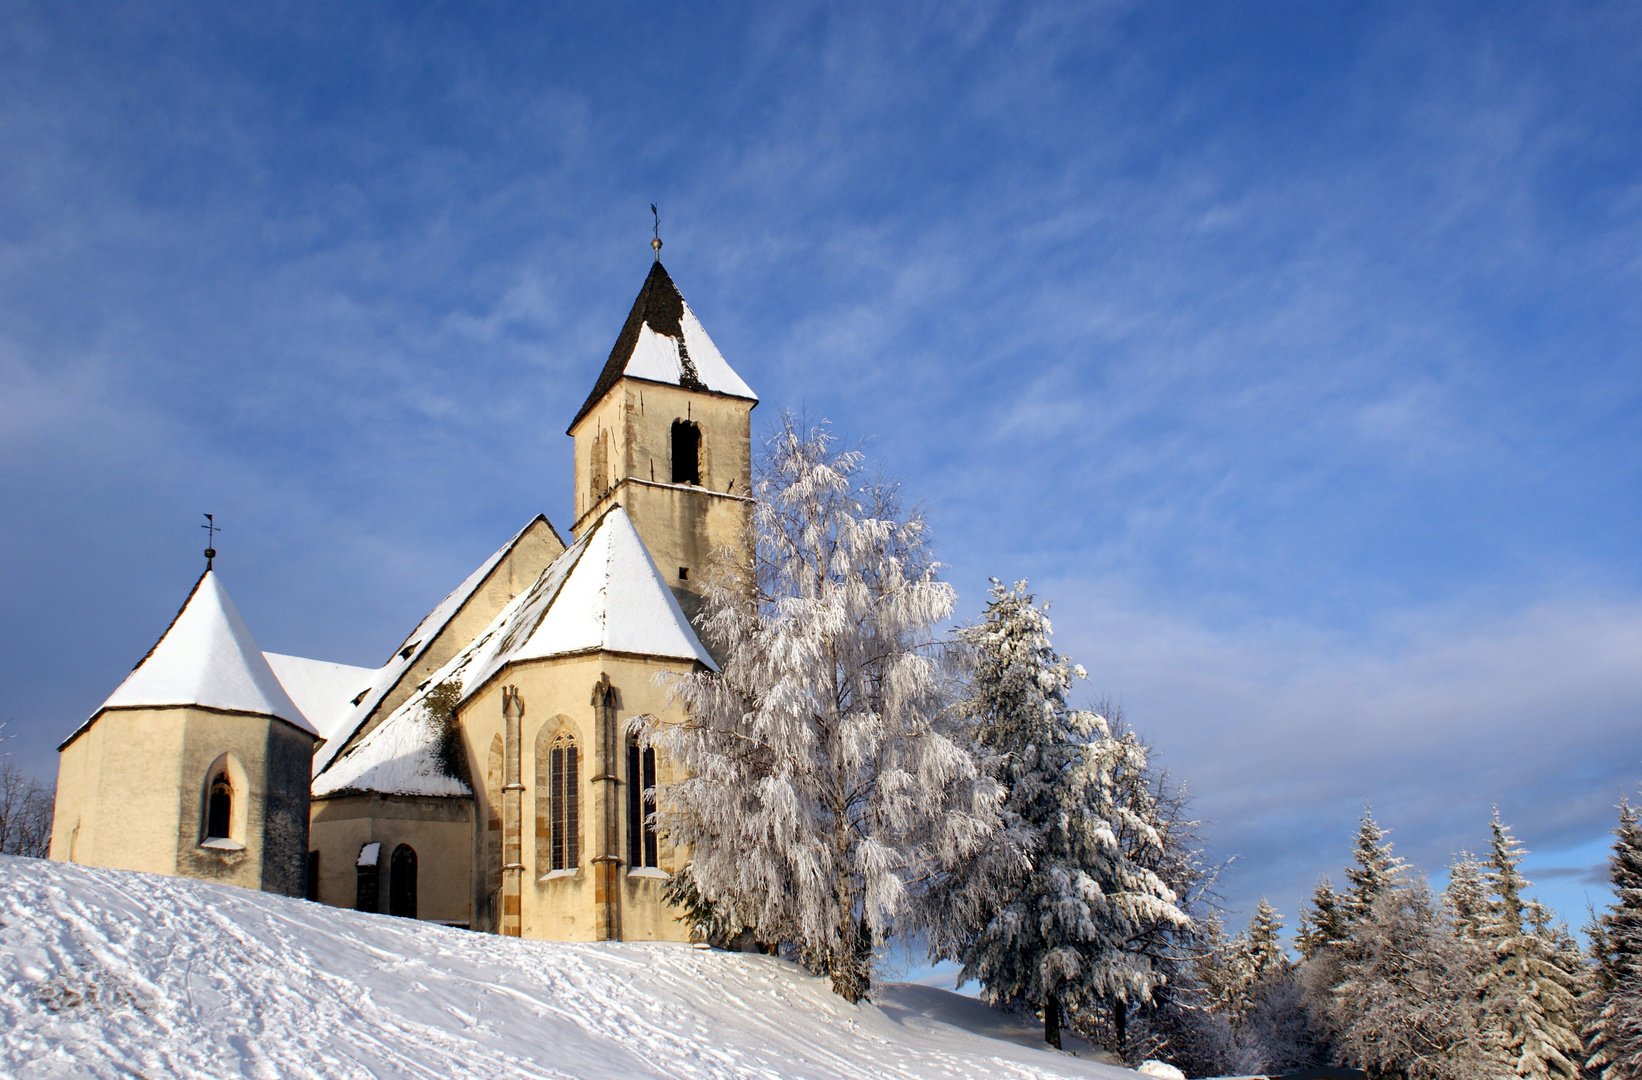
<point>603,593</point>
<point>400,756</point>
<point>663,341</point>
<point>410,652</point>
<point>323,690</point>
<point>206,658</point>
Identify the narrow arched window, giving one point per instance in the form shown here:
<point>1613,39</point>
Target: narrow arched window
<point>563,791</point>
<point>402,882</point>
<point>220,810</point>
<point>686,452</point>
<point>641,804</point>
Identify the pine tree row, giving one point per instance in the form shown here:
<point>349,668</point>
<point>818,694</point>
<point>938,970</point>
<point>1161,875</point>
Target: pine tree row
<point>1477,984</point>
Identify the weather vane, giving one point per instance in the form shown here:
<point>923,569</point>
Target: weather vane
<point>655,244</point>
<point>211,530</point>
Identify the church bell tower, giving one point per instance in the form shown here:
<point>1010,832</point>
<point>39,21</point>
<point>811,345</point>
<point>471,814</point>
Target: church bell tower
<point>666,434</point>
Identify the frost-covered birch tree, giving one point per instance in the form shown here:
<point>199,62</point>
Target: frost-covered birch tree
<point>821,784</point>
<point>1613,1029</point>
<point>1051,912</point>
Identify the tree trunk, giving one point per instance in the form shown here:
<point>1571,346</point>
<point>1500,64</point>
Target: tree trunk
<point>1120,1028</point>
<point>1051,1020</point>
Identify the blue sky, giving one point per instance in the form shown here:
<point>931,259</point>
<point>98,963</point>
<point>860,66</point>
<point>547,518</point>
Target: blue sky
<point>1291,349</point>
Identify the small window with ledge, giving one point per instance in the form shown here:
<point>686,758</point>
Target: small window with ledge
<point>220,814</point>
<point>686,452</point>
<point>222,818</point>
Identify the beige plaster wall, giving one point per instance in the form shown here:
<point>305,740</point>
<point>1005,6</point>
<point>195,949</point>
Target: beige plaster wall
<point>119,792</point>
<point>557,694</point>
<point>440,830</point>
<point>133,789</point>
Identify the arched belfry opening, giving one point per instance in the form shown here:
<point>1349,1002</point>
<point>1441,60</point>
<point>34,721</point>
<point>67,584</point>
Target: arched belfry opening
<point>686,452</point>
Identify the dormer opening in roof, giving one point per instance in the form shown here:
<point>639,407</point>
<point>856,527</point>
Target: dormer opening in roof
<point>666,433</point>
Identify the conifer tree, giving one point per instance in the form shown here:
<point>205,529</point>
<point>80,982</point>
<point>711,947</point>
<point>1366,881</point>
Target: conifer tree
<point>1376,869</point>
<point>1049,912</point>
<point>1613,1028</point>
<point>1402,1007</point>
<point>1466,898</point>
<point>1323,923</point>
<point>820,779</point>
<point>1526,986</point>
<point>1267,958</point>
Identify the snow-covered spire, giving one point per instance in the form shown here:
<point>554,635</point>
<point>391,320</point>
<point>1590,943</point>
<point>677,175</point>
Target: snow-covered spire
<point>663,341</point>
<point>207,659</point>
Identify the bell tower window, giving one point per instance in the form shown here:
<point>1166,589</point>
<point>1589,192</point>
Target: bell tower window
<point>686,452</point>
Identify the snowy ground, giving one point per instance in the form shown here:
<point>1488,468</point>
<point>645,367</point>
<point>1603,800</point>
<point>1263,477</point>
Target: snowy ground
<point>112,974</point>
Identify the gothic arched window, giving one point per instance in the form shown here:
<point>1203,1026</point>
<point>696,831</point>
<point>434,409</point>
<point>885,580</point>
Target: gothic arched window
<point>563,786</point>
<point>641,803</point>
<point>686,452</point>
<point>219,816</point>
<point>402,882</point>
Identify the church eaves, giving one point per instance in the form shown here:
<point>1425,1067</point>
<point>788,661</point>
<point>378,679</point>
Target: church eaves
<point>205,659</point>
<point>663,341</point>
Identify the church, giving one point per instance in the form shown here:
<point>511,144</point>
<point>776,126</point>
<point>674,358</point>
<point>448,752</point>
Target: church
<point>486,775</point>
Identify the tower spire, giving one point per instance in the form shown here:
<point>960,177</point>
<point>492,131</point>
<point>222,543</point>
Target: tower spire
<point>655,242</point>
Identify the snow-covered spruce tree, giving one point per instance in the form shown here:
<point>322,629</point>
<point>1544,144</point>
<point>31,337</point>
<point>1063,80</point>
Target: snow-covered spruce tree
<point>1050,913</point>
<point>1401,1007</point>
<point>819,779</point>
<point>1466,898</point>
<point>1526,986</point>
<point>1323,923</point>
<point>1175,1018</point>
<point>1267,958</point>
<point>1375,871</point>
<point>1613,1002</point>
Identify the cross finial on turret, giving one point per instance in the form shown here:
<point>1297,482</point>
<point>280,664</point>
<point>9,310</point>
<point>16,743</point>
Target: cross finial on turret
<point>655,242</point>
<point>211,530</point>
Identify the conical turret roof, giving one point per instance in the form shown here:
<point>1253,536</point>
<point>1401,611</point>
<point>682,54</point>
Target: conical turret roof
<point>663,341</point>
<point>207,659</point>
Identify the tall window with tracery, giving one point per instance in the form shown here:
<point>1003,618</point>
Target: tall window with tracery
<point>563,804</point>
<point>641,803</point>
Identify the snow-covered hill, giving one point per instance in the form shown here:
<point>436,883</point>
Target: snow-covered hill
<point>107,973</point>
